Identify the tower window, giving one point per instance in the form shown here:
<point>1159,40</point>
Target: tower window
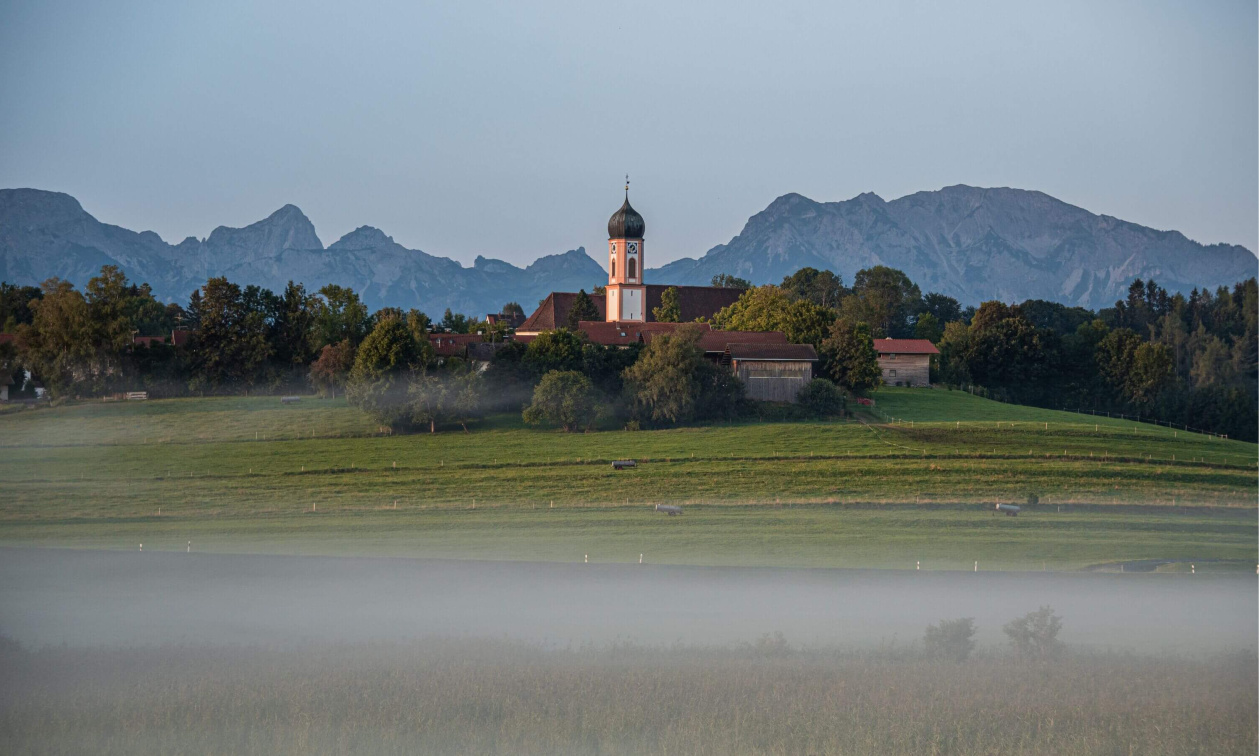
<point>631,267</point>
<point>614,267</point>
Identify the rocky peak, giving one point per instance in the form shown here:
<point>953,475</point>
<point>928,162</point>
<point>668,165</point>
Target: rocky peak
<point>363,237</point>
<point>286,228</point>
<point>36,207</point>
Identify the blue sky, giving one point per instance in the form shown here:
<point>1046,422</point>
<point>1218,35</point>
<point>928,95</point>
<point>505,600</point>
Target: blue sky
<point>505,129</point>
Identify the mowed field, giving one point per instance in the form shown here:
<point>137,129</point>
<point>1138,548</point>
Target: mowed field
<point>318,477</point>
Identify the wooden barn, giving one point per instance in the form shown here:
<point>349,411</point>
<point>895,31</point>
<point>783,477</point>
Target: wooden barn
<point>772,372</point>
<point>905,362</point>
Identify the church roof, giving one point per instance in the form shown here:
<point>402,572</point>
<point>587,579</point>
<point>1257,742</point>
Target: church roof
<point>553,313</point>
<point>693,302</point>
<point>626,223</point>
<point>713,341</point>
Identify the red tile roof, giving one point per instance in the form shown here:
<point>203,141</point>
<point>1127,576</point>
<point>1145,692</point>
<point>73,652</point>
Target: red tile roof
<point>905,346</point>
<point>452,344</point>
<point>5,338</point>
<point>783,352</point>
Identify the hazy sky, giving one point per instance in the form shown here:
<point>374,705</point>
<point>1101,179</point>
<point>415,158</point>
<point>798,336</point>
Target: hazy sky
<point>464,128</point>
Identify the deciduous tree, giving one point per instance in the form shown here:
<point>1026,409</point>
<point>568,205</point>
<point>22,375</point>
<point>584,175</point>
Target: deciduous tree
<point>884,298</point>
<point>849,356</point>
<point>330,372</point>
<point>822,287</point>
<point>565,398</point>
<point>769,308</point>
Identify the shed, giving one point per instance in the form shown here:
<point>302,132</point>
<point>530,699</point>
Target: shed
<point>772,372</point>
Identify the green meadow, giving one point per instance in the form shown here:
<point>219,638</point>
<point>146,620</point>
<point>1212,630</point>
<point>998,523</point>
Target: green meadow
<point>914,479</point>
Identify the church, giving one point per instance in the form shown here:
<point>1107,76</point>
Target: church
<point>771,368</point>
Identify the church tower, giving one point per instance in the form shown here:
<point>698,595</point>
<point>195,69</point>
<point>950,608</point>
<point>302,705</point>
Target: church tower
<point>626,293</point>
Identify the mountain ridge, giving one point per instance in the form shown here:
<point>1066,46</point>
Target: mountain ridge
<point>972,243</point>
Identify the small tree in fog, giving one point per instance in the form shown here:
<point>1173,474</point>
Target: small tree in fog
<point>1036,634</point>
<point>951,640</point>
<point>449,396</point>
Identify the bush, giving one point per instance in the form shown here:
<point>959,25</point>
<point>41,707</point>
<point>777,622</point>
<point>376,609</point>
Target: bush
<point>821,398</point>
<point>565,398</point>
<point>1036,634</point>
<point>951,640</point>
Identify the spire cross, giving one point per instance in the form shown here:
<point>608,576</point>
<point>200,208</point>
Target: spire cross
<point>627,186</point>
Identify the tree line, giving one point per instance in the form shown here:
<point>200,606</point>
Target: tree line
<point>1184,360</point>
<point>1189,360</point>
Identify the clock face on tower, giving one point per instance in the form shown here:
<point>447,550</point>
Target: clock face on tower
<point>632,247</point>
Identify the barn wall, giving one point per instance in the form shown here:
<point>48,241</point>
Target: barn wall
<point>773,380</point>
<point>911,369</point>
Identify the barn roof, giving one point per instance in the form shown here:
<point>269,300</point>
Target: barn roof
<point>772,352</point>
<point>905,346</point>
<point>717,341</point>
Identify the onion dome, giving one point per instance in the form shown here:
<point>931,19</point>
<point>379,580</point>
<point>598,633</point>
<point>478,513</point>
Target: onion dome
<point>626,223</point>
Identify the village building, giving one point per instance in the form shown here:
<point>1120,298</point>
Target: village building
<point>905,362</point>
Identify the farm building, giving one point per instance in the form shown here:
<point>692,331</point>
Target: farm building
<point>905,362</point>
<point>772,372</point>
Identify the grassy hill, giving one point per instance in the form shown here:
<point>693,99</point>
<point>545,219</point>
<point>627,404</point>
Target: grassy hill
<point>912,480</point>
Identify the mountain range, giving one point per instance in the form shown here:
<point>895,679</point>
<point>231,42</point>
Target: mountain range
<point>971,243</point>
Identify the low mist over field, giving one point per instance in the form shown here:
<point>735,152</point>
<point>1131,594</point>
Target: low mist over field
<point>93,598</point>
<point>191,653</point>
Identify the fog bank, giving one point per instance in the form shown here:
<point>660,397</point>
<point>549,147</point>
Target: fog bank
<point>132,598</point>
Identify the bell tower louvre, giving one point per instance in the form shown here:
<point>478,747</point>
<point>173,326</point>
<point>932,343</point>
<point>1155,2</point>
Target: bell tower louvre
<point>626,294</point>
